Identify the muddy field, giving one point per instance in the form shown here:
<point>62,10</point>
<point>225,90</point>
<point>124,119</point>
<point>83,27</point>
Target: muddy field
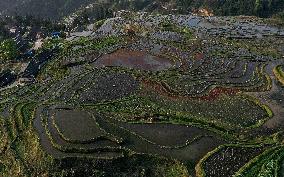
<point>134,59</point>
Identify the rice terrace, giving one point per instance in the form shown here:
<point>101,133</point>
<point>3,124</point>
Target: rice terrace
<point>151,95</point>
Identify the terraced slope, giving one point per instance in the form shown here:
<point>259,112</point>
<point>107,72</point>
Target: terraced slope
<point>116,103</point>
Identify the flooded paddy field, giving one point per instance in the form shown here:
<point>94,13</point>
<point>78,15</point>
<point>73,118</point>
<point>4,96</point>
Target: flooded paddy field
<point>85,130</point>
<point>121,136</point>
<point>134,59</point>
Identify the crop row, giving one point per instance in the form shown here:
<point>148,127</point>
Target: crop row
<point>219,161</point>
<point>279,74</point>
<point>266,164</point>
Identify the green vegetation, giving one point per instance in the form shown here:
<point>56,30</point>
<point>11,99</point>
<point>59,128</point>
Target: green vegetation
<point>265,47</point>
<point>185,32</point>
<point>190,111</point>
<point>109,41</point>
<point>103,9</point>
<point>113,104</point>
<point>85,44</point>
<point>23,155</point>
<point>279,73</point>
<point>8,50</point>
<point>54,42</point>
<point>218,162</point>
<point>266,164</point>
<point>250,7</point>
<point>134,165</point>
<point>99,23</point>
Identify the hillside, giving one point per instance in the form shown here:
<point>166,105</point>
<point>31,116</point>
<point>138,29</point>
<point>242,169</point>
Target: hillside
<point>142,88</point>
<point>55,9</point>
<point>147,95</point>
<point>262,8</point>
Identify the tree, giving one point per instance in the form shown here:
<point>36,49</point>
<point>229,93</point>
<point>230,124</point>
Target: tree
<point>184,5</point>
<point>258,7</point>
<point>8,50</point>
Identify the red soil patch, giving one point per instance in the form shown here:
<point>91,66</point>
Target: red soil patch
<point>166,91</point>
<point>217,91</point>
<point>159,88</point>
<point>199,56</point>
<point>134,59</point>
